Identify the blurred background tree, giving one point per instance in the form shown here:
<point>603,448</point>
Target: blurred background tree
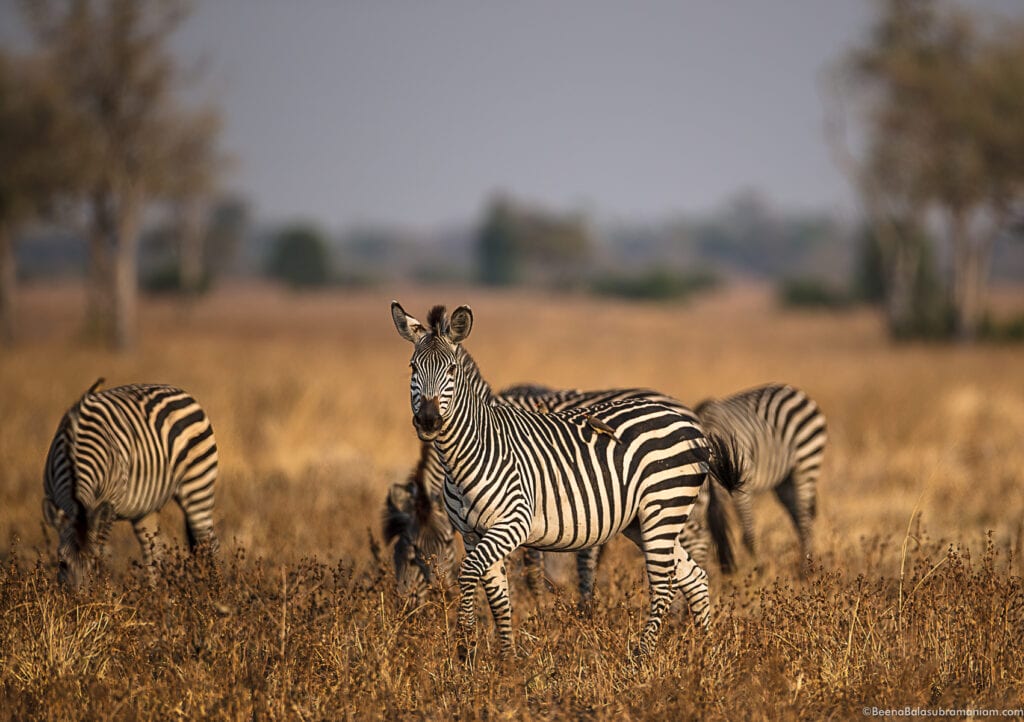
<point>33,123</point>
<point>119,79</point>
<point>516,243</point>
<point>944,151</point>
<point>300,257</point>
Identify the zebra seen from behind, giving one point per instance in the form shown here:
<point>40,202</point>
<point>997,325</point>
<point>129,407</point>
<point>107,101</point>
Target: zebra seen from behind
<point>121,454</point>
<point>415,518</point>
<point>781,434</point>
<point>560,481</point>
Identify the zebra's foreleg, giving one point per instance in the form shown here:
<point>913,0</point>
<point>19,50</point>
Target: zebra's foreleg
<point>533,567</point>
<point>485,562</point>
<point>496,588</point>
<point>147,533</point>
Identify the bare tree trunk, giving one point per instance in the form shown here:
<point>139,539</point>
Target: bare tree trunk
<point>99,303</point>
<point>8,286</point>
<point>902,258</point>
<point>970,269</point>
<point>126,276</point>
<point>190,214</point>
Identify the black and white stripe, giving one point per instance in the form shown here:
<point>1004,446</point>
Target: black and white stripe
<point>123,453</point>
<point>781,434</point>
<point>415,518</point>
<point>561,481</point>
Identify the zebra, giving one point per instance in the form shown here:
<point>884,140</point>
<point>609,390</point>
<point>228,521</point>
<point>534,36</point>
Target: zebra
<point>559,481</point>
<point>121,454</point>
<point>415,518</point>
<point>781,433</point>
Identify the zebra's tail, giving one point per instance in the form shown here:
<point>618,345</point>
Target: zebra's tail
<point>726,477</point>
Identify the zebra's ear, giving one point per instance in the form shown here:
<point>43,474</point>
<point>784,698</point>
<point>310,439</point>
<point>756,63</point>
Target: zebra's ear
<point>461,324</point>
<point>54,515</point>
<point>408,327</point>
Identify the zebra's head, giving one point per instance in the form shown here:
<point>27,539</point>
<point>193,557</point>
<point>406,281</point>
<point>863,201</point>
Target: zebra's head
<point>80,539</point>
<point>423,538</point>
<point>82,521</point>
<point>436,364</point>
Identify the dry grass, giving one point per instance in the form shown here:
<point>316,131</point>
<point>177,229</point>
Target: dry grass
<point>917,599</point>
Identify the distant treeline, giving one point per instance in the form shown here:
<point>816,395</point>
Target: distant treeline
<point>816,259</point>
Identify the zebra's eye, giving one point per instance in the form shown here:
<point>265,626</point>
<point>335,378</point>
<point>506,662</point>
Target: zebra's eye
<point>451,369</point>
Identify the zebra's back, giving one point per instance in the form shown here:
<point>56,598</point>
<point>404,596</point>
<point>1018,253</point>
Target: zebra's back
<point>158,440</point>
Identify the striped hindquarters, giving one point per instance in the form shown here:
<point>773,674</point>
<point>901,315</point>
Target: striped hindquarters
<point>135,447</point>
<point>778,429</point>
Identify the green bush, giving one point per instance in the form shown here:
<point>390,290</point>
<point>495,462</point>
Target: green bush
<point>654,285</point>
<point>299,257</point>
<point>811,292</point>
<point>167,280</point>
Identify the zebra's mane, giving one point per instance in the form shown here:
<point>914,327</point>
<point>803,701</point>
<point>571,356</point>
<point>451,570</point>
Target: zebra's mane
<point>437,320</point>
<point>476,379</point>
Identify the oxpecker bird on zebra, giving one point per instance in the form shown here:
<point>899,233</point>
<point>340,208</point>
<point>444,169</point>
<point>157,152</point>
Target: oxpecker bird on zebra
<point>781,433</point>
<point>121,454</point>
<point>549,481</point>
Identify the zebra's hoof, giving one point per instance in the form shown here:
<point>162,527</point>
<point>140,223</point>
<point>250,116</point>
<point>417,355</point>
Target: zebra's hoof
<point>585,609</point>
<point>466,653</point>
<point>640,654</point>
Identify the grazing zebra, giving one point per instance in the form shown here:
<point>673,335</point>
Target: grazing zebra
<point>123,453</point>
<point>781,433</point>
<point>415,518</point>
<point>560,481</point>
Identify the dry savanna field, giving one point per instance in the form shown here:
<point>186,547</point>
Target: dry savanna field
<point>915,598</point>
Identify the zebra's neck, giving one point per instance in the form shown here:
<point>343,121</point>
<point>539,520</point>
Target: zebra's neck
<point>474,379</point>
<point>471,422</point>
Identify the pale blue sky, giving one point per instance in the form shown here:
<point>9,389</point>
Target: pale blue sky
<point>415,112</point>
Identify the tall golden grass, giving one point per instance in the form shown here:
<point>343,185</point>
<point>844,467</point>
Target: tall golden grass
<point>916,598</point>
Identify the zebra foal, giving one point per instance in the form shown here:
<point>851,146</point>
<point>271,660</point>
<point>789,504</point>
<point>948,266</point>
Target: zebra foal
<point>562,481</point>
<point>781,433</point>
<point>121,454</point>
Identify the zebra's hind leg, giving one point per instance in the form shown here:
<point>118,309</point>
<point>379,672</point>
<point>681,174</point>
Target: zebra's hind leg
<point>657,536</point>
<point>744,510</point>
<point>198,509</point>
<point>692,580</point>
<point>147,533</point>
<point>586,570</point>
<point>797,493</point>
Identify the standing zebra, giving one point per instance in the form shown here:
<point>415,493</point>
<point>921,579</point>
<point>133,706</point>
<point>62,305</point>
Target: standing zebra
<point>559,481</point>
<point>781,433</point>
<point>415,518</point>
<point>122,454</point>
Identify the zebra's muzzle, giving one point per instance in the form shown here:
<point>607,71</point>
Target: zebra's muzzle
<point>427,420</point>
